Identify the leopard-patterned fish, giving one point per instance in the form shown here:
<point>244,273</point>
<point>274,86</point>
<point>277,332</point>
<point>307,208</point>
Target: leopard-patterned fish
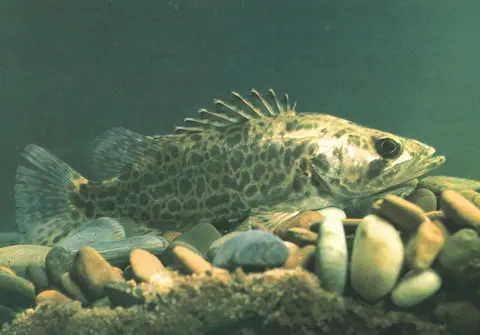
<point>245,158</point>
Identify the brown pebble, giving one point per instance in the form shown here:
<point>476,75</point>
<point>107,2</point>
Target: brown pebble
<point>144,264</point>
<point>300,236</point>
<point>91,271</point>
<point>303,220</point>
<point>300,258</point>
<point>292,247</point>
<point>191,260</point>
<point>4,269</point>
<point>402,213</point>
<point>459,209</point>
<point>73,289</point>
<point>52,296</point>
<point>461,316</point>
<point>171,235</point>
<point>423,248</point>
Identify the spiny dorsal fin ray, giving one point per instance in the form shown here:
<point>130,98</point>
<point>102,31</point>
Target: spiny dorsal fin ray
<point>239,110</point>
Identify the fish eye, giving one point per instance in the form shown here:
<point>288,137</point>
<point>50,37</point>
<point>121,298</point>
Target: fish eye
<point>388,148</point>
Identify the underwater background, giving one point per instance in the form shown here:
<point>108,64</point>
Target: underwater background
<point>69,70</point>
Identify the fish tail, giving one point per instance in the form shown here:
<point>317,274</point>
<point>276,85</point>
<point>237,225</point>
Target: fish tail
<point>45,211</point>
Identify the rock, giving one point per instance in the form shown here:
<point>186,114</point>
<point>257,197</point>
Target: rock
<point>331,259</point>
<point>17,257</point>
<point>59,260</point>
<point>441,183</point>
<point>52,296</point>
<point>124,294</point>
<point>460,256</point>
<point>462,317</point>
<point>301,220</point>
<point>254,250</point>
<point>302,258</point>
<point>73,289</point>
<point>459,209</point>
<point>191,260</point>
<point>99,230</point>
<point>16,292</point>
<point>424,246</point>
<point>4,269</point>
<point>200,237</point>
<point>424,198</point>
<point>377,258</point>
<point>6,314</point>
<point>300,236</point>
<point>38,276</point>
<point>144,264</point>
<point>213,249</point>
<point>415,287</point>
<point>91,271</point>
<point>402,213</point>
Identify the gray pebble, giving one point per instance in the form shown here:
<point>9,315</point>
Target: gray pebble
<point>252,250</point>
<point>213,249</point>
<point>59,260</point>
<point>37,274</point>
<point>18,257</point>
<point>424,198</point>
<point>16,292</point>
<point>6,314</point>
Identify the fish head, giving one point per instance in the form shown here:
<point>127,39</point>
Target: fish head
<point>354,162</point>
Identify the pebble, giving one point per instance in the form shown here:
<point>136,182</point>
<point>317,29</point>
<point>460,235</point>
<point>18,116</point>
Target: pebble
<point>200,237</point>
<point>16,292</point>
<point>6,314</point>
<point>91,271</point>
<point>301,258</point>
<point>73,289</point>
<point>58,261</point>
<point>50,296</point>
<point>460,256</point>
<point>462,317</point>
<point>123,294</point>
<point>102,229</point>
<point>38,276</point>
<point>402,213</point>
<point>424,246</point>
<point>300,236</point>
<point>459,209</point>
<point>254,250</point>
<point>192,261</point>
<point>4,269</point>
<point>441,183</point>
<point>377,258</point>
<point>301,220</point>
<point>213,249</point>
<point>415,287</point>
<point>423,198</point>
<point>17,257</point>
<point>144,264</point>
<point>331,258</point>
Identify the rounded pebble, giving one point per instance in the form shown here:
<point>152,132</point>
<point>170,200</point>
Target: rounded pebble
<point>38,276</point>
<point>402,213</point>
<point>459,209</point>
<point>213,249</point>
<point>199,237</point>
<point>424,198</point>
<point>191,260</point>
<point>6,314</point>
<point>17,257</point>
<point>300,258</point>
<point>462,317</point>
<point>52,296</point>
<point>300,236</point>
<point>16,292</point>
<point>377,258</point>
<point>59,260</point>
<point>73,289</point>
<point>422,249</point>
<point>91,271</point>
<point>415,287</point>
<point>144,264</point>
<point>4,269</point>
<point>254,249</point>
<point>301,220</point>
<point>331,259</point>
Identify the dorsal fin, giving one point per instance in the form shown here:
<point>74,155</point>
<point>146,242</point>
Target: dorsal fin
<point>239,110</point>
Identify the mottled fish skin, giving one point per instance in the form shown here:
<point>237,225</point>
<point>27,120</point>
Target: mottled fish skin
<point>244,157</point>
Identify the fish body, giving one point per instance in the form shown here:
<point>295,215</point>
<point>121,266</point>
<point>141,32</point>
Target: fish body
<point>245,157</point>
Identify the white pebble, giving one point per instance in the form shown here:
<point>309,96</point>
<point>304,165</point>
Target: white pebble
<point>415,287</point>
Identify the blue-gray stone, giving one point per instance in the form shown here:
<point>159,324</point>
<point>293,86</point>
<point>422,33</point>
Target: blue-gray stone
<point>252,250</point>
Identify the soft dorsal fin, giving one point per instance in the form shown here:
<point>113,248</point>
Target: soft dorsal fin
<point>239,110</point>
<point>115,149</point>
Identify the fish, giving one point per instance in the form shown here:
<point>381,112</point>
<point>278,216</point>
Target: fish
<point>243,158</point>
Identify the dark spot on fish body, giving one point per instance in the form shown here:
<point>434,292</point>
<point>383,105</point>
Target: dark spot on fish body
<point>304,126</point>
<point>172,169</point>
<point>60,236</point>
<point>135,187</point>
<point>340,133</point>
<point>244,179</point>
<point>298,183</point>
<point>321,162</point>
<point>215,184</point>
<point>215,200</point>
<point>184,186</point>
<point>251,191</point>
<point>156,208</point>
<point>264,188</point>
<point>75,215</point>
<point>258,172</point>
<point>258,137</point>
<point>236,159</point>
<point>173,151</point>
<point>200,186</point>
<point>83,190</point>
<point>195,137</point>
<point>190,204</point>
<point>214,167</point>
<point>288,159</point>
<point>300,150</point>
<point>291,126</point>
<point>375,168</point>
<point>249,160</point>
<point>173,205</point>
<point>89,210</point>
<point>135,174</point>
<point>107,192</point>
<point>132,211</point>
<point>148,179</point>
<point>143,199</point>
<point>195,158</point>
<point>106,205</point>
<point>237,205</point>
<point>215,150</point>
<point>277,178</point>
<point>132,198</point>
<point>337,152</point>
<point>233,137</point>
<point>77,201</point>
<point>144,216</point>
<point>354,140</point>
<point>229,182</point>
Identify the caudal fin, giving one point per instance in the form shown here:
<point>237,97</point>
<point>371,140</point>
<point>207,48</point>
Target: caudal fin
<point>44,211</point>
